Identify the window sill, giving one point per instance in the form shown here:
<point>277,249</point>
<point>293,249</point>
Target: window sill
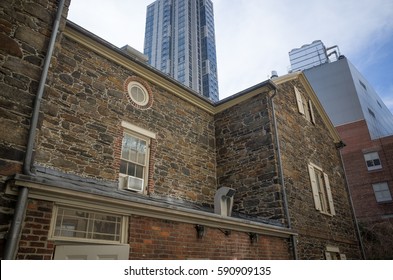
<point>325,213</point>
<point>374,170</point>
<point>384,202</point>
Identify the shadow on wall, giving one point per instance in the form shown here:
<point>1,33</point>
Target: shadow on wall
<point>377,239</point>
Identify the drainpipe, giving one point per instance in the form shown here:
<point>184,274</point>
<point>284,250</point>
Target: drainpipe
<point>281,173</point>
<point>14,232</point>
<point>352,207</point>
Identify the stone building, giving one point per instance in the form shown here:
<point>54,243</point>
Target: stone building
<point>102,156</point>
<point>365,124</point>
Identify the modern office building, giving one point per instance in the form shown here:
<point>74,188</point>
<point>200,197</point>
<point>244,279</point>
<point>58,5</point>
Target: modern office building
<point>180,41</point>
<point>365,124</point>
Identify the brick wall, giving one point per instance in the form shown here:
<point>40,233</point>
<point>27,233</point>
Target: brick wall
<point>24,35</point>
<point>159,239</point>
<point>34,244</point>
<point>151,238</point>
<point>360,179</point>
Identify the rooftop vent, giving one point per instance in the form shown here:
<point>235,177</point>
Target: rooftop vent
<point>223,201</point>
<point>134,53</point>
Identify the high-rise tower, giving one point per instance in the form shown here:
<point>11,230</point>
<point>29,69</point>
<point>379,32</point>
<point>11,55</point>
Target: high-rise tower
<point>180,41</point>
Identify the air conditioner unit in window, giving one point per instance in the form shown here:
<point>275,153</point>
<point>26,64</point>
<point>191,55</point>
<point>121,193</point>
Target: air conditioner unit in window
<point>134,184</point>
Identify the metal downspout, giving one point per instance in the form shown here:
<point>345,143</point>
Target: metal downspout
<point>14,232</point>
<point>281,173</point>
<point>353,210</point>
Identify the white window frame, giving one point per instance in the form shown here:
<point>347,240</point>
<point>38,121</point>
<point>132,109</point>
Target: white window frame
<point>333,253</point>
<point>382,192</point>
<point>322,193</point>
<point>134,85</point>
<point>68,236</point>
<point>144,135</point>
<point>371,158</point>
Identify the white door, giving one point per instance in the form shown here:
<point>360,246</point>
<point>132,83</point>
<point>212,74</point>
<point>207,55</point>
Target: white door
<point>92,252</point>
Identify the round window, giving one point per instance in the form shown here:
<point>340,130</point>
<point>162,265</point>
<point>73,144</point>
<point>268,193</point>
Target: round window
<point>138,93</point>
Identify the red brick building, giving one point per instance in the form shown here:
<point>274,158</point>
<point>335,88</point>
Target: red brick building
<point>365,125</point>
<point>108,158</point>
<point>369,169</point>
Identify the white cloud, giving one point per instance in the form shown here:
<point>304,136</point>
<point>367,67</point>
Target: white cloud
<point>254,37</point>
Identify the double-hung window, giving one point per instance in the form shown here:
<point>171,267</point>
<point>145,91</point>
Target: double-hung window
<point>134,158</point>
<point>321,190</point>
<point>372,161</point>
<point>382,192</point>
<point>133,161</point>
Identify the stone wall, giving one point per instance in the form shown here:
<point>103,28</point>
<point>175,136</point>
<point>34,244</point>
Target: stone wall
<point>81,132</point>
<point>25,29</point>
<point>246,159</point>
<point>303,142</point>
<point>194,152</point>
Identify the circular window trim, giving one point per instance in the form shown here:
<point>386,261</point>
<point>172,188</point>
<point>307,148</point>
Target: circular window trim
<point>143,87</point>
<point>141,92</point>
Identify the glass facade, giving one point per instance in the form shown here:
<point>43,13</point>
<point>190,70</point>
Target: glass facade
<point>180,41</point>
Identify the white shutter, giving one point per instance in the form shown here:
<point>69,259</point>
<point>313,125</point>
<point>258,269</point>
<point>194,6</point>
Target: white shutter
<point>311,111</point>
<point>329,194</point>
<point>299,101</point>
<point>314,187</point>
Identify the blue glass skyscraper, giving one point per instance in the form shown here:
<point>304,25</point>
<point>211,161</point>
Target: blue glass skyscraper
<point>180,41</point>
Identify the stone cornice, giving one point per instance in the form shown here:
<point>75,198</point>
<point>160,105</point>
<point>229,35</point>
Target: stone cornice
<point>142,69</point>
<point>136,65</point>
<point>42,189</point>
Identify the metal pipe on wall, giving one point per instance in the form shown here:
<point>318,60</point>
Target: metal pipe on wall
<point>281,174</point>
<point>13,235</point>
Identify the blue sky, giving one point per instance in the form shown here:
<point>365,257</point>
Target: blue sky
<point>254,37</point>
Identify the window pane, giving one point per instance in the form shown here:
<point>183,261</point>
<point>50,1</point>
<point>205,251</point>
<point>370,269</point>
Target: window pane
<point>139,172</point>
<point>131,169</point>
<point>382,192</point>
<point>133,156</point>
<point>123,167</point>
<point>372,160</point>
<point>87,225</point>
<point>141,158</point>
<point>124,153</point>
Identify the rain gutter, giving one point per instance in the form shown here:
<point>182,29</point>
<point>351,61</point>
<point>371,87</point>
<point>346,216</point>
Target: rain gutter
<point>281,174</point>
<point>14,233</point>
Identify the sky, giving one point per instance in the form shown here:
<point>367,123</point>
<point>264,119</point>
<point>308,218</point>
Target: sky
<point>254,37</point>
